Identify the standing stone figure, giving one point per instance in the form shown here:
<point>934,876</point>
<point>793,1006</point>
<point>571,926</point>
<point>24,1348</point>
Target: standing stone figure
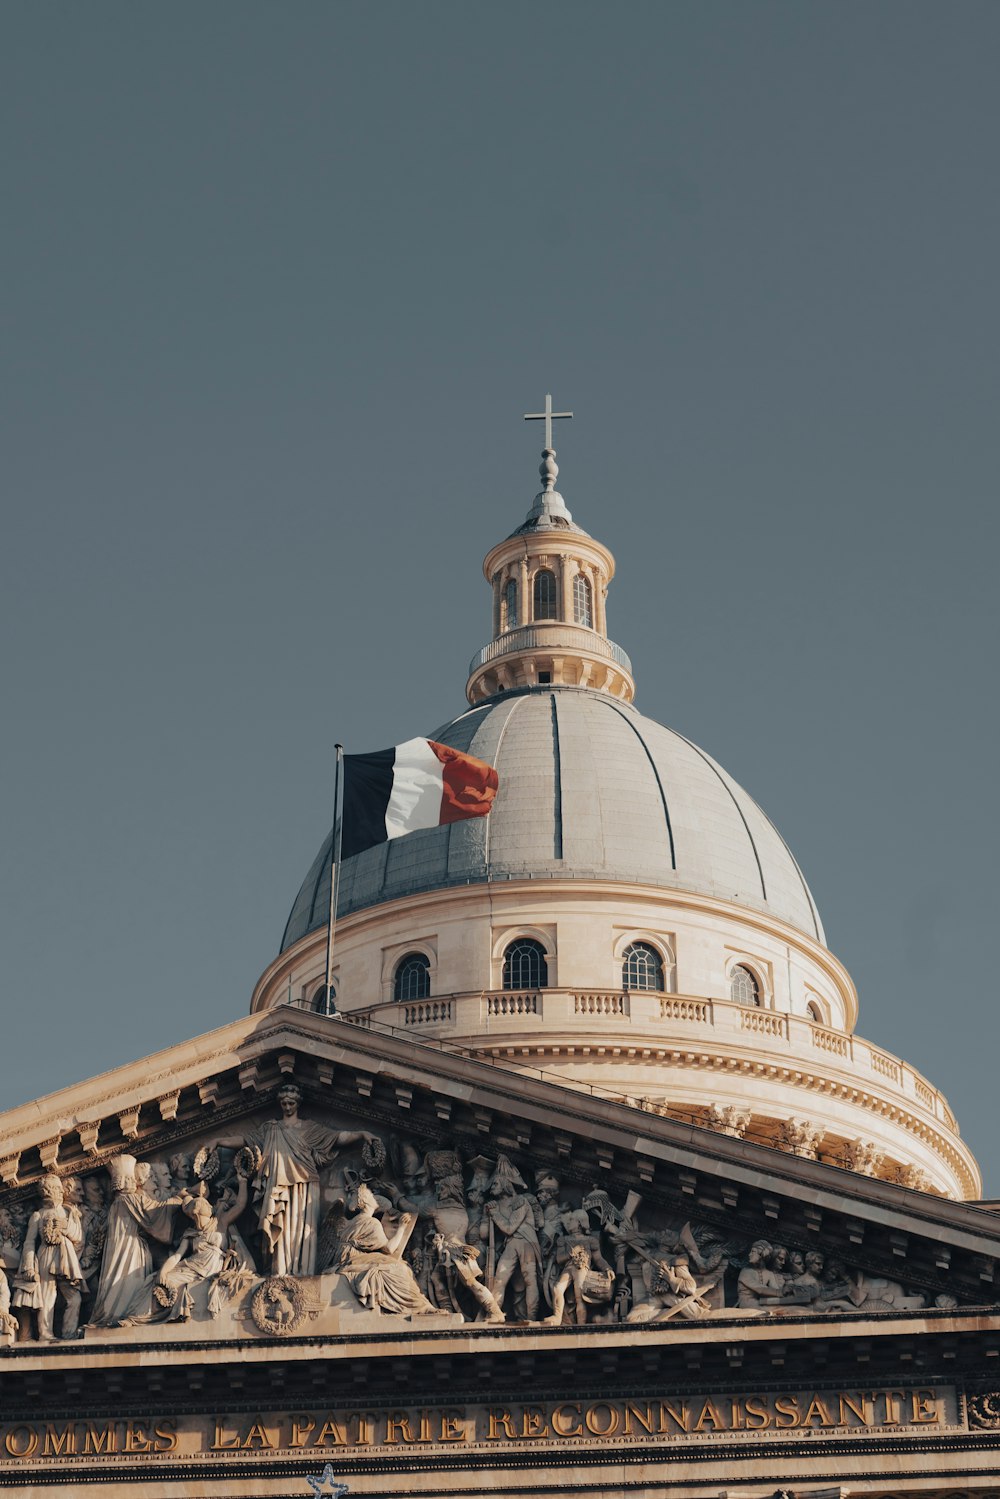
<point>133,1219</point>
<point>512,1214</point>
<point>286,1186</point>
<point>50,1264</point>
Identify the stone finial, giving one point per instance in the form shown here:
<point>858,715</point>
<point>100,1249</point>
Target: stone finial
<point>800,1137</point>
<point>730,1120</point>
<point>864,1157</point>
<point>548,470</point>
<point>913,1177</point>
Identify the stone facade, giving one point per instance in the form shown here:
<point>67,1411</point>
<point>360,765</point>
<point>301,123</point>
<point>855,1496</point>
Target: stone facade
<point>300,1242</point>
<point>657,1222</point>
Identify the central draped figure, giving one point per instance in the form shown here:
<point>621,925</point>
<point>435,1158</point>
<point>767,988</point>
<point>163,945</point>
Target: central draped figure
<point>291,1152</point>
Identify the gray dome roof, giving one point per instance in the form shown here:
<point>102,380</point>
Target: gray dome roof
<point>589,789</point>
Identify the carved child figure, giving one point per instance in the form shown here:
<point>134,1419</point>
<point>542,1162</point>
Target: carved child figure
<point>50,1264</point>
<point>578,1251</point>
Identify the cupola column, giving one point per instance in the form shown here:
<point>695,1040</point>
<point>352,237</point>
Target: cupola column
<point>567,568</point>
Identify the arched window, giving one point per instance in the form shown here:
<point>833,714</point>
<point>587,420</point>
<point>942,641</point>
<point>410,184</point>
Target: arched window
<point>510,606</point>
<point>524,965</point>
<point>319,1000</point>
<point>642,967</point>
<point>413,978</point>
<point>545,594</point>
<point>583,607</point>
<point>814,1012</point>
<point>743,987</point>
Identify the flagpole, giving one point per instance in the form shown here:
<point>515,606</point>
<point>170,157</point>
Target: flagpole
<point>335,846</point>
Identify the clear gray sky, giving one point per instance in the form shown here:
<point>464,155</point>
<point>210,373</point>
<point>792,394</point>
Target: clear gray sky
<point>278,283</point>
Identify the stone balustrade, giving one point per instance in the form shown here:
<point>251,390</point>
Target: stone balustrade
<point>639,1020</point>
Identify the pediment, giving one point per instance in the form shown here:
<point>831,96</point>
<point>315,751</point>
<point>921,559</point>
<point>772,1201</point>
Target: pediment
<point>644,1220</point>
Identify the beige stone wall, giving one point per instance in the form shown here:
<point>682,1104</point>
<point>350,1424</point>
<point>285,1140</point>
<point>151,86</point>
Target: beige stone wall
<point>683,1051</point>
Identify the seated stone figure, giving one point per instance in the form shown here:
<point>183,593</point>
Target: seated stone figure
<point>372,1263</point>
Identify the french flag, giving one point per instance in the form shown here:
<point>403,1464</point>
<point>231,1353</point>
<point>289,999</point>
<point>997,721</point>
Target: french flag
<point>419,784</point>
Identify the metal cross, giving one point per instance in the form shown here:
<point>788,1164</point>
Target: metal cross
<point>548,416</point>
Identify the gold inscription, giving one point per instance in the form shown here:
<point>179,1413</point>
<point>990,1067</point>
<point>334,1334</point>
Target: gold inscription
<point>658,1421</point>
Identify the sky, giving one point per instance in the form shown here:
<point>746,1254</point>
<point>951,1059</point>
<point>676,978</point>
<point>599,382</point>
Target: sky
<point>279,282</point>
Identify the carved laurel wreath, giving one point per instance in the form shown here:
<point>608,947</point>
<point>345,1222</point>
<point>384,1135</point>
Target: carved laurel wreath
<point>984,1409</point>
<point>266,1309</point>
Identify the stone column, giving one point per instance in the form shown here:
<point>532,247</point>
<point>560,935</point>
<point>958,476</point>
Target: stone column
<point>496,605</point>
<point>524,609</point>
<point>567,570</point>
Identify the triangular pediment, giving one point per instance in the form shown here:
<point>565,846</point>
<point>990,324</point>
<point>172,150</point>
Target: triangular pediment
<point>672,1215</point>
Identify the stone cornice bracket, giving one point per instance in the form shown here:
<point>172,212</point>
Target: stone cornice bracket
<point>249,1075</point>
<point>208,1092</point>
<point>88,1135</point>
<point>286,1062</point>
<point>9,1168</point>
<point>169,1105</point>
<point>128,1122</point>
<point>48,1153</point>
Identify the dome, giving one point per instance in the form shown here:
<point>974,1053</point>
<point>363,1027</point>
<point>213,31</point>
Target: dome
<point>589,790</point>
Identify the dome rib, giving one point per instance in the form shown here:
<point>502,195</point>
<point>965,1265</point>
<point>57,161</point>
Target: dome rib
<point>659,782</point>
<point>581,796</point>
<point>712,766</point>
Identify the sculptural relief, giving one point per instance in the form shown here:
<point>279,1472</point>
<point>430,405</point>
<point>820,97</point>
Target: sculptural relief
<point>50,1266</point>
<point>235,1226</point>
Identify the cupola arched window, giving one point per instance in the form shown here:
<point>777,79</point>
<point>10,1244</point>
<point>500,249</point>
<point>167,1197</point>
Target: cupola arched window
<point>744,988</point>
<point>319,999</point>
<point>524,965</point>
<point>583,601</point>
<point>642,967</point>
<point>814,1012</point>
<point>545,594</point>
<point>413,978</point>
<point>510,606</point>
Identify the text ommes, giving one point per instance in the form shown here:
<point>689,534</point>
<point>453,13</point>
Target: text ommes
<point>655,1420</point>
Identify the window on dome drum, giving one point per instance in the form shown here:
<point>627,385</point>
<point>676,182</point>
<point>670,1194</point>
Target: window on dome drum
<point>642,967</point>
<point>524,965</point>
<point>510,606</point>
<point>583,610</point>
<point>545,594</point>
<point>319,998</point>
<point>744,988</point>
<point>814,1012</point>
<point>413,978</point>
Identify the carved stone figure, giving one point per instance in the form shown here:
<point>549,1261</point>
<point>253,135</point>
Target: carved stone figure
<point>127,1261</point>
<point>50,1264</point>
<point>286,1184</point>
<point>547,1197</point>
<point>583,1267</point>
<point>8,1322</point>
<point>200,1256</point>
<point>870,1293</point>
<point>673,1292</point>
<point>372,1263</point>
<point>759,1287</point>
<point>511,1214</point>
<point>278,1306</point>
<point>462,1261</point>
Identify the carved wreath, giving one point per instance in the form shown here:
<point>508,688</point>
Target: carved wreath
<point>278,1306</point>
<point>984,1409</point>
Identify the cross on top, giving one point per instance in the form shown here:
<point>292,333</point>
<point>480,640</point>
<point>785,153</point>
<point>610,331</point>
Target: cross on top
<point>548,416</point>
